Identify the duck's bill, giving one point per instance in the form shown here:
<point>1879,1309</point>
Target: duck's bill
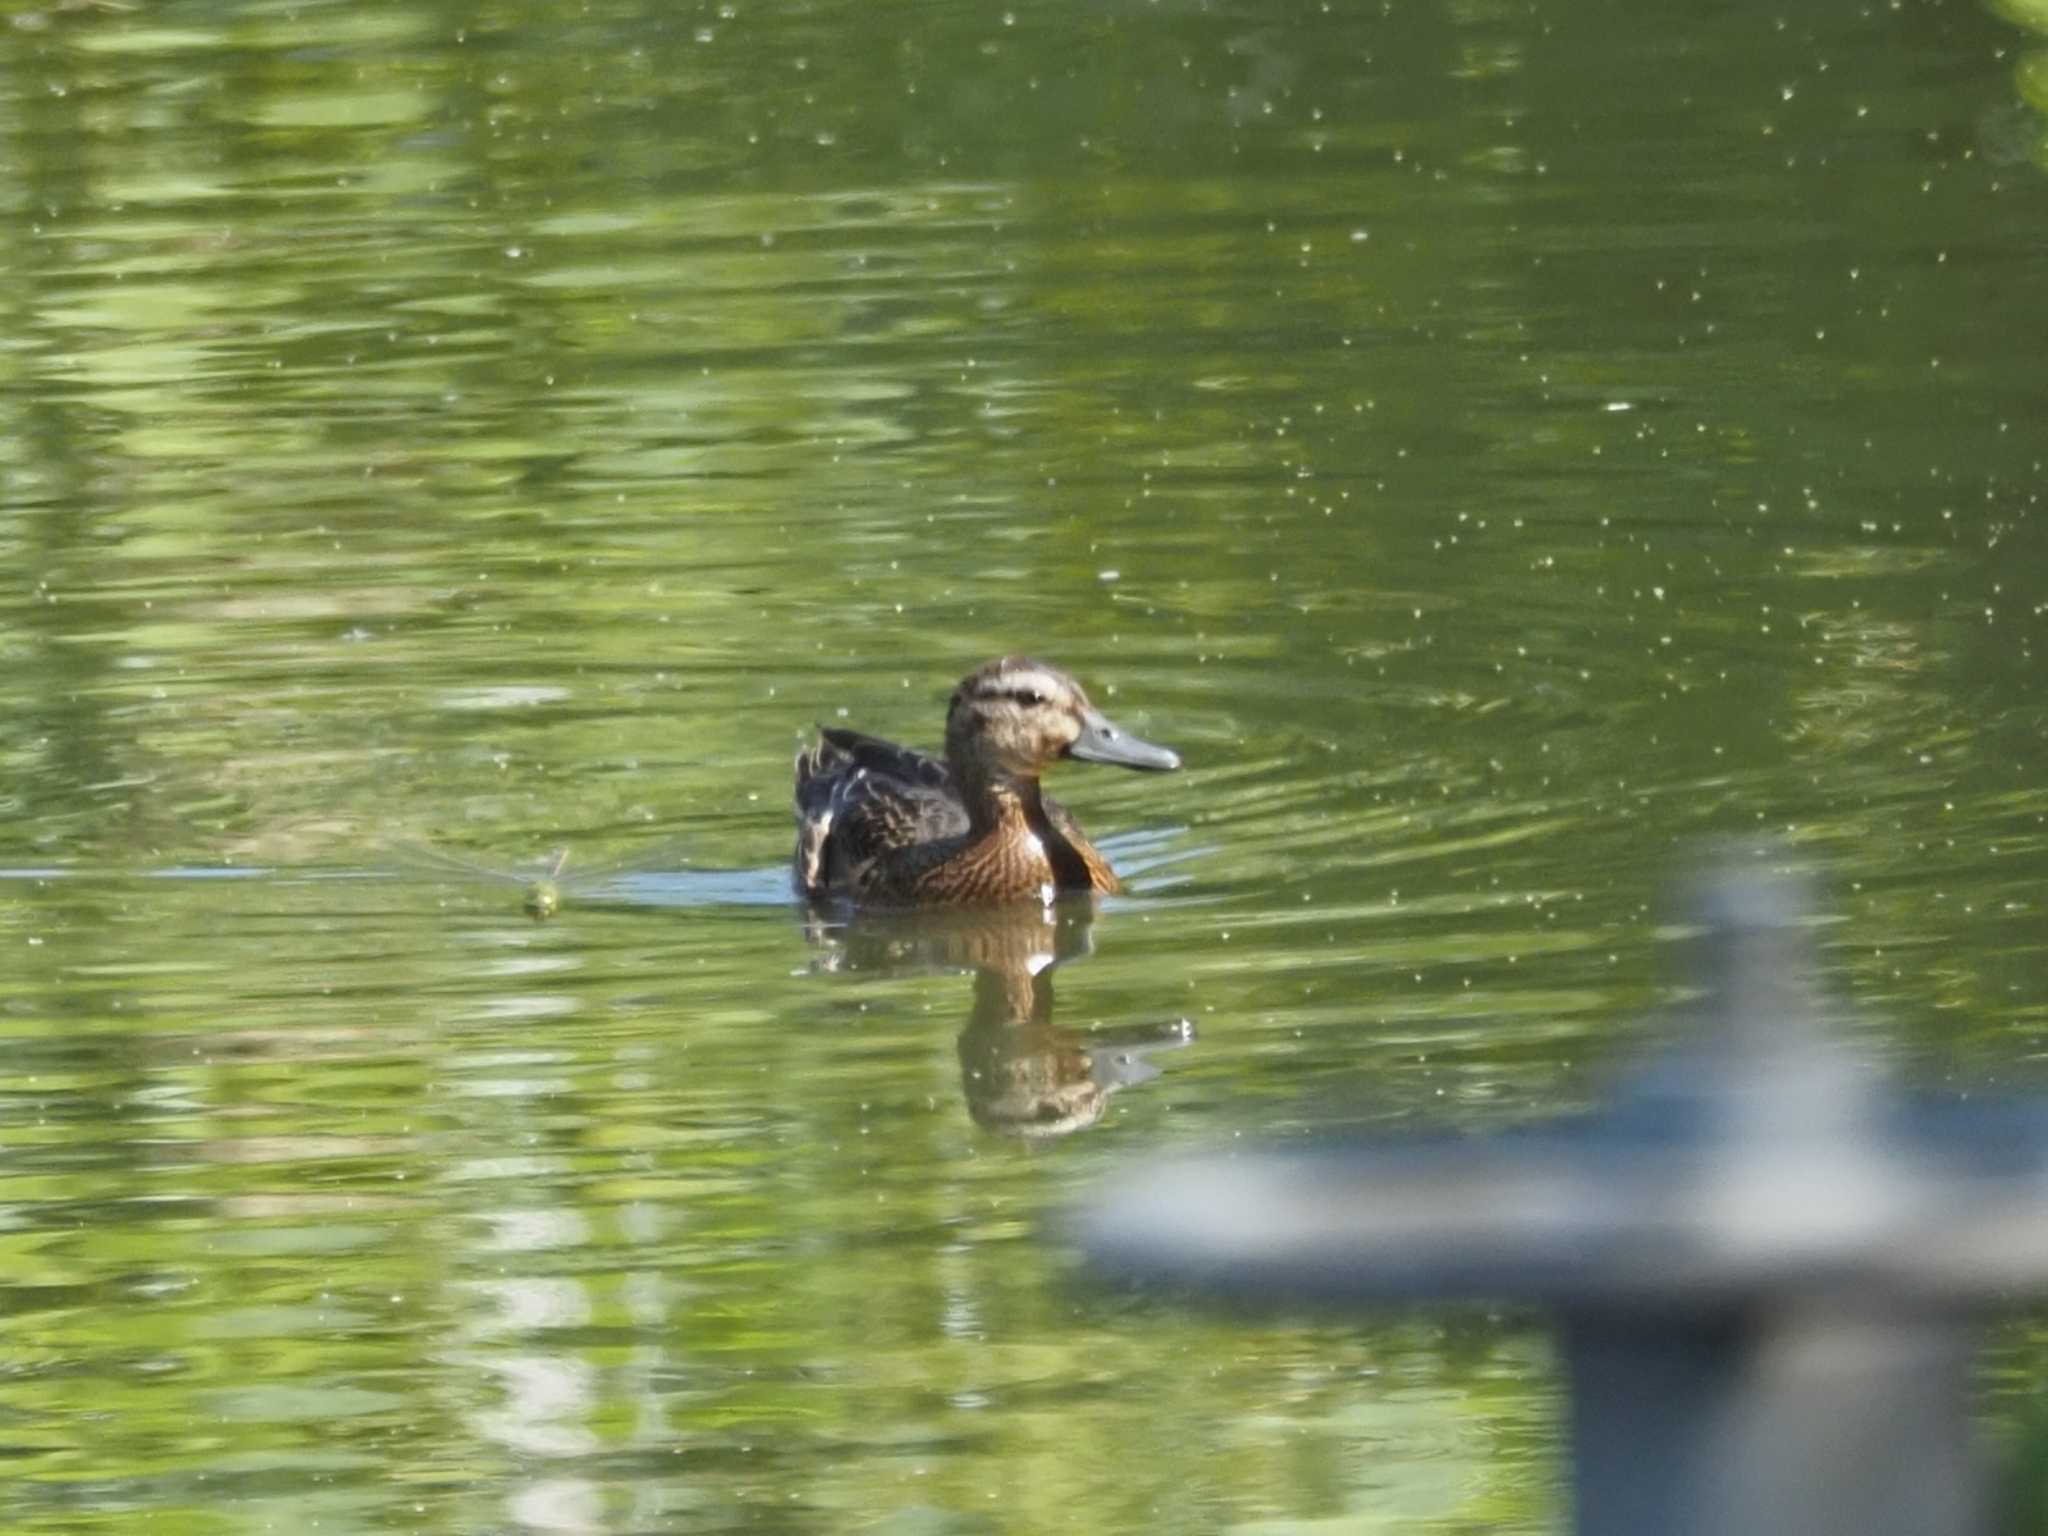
<point>1101,741</point>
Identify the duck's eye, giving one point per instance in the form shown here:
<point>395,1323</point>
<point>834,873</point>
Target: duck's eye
<point>1031,696</point>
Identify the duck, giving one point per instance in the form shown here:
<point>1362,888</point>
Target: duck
<point>885,824</point>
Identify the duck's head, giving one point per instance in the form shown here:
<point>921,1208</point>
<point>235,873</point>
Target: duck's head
<point>1014,717</point>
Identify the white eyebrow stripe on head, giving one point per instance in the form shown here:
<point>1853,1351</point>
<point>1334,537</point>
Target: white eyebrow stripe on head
<point>1040,679</point>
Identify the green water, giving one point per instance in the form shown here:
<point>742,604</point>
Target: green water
<point>1494,445</point>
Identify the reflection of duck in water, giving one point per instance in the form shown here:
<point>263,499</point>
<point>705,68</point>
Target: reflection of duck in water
<point>883,823</point>
<point>1022,1074</point>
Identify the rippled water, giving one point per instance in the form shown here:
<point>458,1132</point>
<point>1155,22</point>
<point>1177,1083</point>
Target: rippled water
<point>1496,448</point>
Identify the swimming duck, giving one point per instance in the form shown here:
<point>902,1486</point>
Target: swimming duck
<point>884,823</point>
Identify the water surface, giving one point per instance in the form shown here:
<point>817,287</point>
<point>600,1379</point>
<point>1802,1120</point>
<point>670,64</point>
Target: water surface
<point>1496,448</point>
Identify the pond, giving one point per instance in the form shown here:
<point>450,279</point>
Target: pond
<point>1496,447</point>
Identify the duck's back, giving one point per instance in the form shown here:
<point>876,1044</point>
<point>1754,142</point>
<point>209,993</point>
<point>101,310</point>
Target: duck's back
<point>859,797</point>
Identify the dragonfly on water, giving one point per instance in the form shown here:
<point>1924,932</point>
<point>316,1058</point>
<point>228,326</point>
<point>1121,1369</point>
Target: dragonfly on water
<point>540,894</point>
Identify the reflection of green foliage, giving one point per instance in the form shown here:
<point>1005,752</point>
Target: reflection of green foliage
<point>2033,78</point>
<point>2014,1385</point>
<point>2023,1503</point>
<point>2031,72</point>
<point>2031,14</point>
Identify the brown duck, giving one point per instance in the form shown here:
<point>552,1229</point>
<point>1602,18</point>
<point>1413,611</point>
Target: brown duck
<point>883,823</point>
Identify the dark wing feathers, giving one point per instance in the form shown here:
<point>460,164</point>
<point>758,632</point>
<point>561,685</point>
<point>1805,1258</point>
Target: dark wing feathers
<point>858,796</point>
<point>886,758</point>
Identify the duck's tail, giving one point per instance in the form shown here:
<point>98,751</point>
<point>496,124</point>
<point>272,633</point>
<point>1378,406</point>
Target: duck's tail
<point>819,767</point>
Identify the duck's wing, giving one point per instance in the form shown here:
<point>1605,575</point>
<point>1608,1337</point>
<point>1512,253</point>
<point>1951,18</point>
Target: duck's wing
<point>858,796</point>
<point>856,749</point>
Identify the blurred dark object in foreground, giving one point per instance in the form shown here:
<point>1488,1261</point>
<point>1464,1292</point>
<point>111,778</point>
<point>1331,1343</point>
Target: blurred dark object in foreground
<point>1767,1267</point>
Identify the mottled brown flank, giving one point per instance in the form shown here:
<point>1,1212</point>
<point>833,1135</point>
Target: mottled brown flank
<point>883,823</point>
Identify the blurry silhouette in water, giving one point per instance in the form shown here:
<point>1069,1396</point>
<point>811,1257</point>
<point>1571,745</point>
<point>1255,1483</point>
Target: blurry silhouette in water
<point>1769,1265</point>
<point>1023,1075</point>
